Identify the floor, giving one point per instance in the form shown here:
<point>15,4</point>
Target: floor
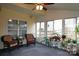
<point>37,50</point>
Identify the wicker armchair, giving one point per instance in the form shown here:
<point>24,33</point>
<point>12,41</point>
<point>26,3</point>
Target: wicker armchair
<point>8,41</point>
<point>30,39</point>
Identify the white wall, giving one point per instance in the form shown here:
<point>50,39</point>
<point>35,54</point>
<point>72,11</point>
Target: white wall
<point>7,13</point>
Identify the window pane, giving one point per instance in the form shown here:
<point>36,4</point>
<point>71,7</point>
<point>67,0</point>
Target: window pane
<point>22,25</point>
<point>49,28</point>
<point>70,28</point>
<point>12,28</point>
<point>13,24</point>
<point>38,29</point>
<point>42,29</point>
<point>58,26</point>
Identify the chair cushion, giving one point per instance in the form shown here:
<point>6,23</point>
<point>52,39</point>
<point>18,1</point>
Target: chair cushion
<point>8,38</point>
<point>30,38</point>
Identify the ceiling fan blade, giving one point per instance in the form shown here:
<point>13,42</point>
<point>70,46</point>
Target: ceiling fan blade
<point>29,3</point>
<point>44,8</point>
<point>34,8</point>
<point>48,3</point>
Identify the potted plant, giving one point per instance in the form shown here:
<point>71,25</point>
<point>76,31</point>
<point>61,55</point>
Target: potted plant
<point>69,41</point>
<point>74,41</point>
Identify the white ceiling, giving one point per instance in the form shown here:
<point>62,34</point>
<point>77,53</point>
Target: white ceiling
<point>57,6</point>
<point>68,6</point>
<point>27,8</point>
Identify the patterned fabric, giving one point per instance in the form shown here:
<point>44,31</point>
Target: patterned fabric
<point>8,41</point>
<point>8,38</point>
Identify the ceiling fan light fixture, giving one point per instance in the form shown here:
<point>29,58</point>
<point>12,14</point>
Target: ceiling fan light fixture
<point>39,7</point>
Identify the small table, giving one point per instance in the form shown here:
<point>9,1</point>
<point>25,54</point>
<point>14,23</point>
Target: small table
<point>20,41</point>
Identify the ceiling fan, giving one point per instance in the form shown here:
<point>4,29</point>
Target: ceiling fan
<point>40,6</point>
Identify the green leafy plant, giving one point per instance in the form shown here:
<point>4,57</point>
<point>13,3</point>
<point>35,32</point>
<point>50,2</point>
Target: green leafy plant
<point>77,29</point>
<point>69,41</point>
<point>62,44</point>
<point>74,41</point>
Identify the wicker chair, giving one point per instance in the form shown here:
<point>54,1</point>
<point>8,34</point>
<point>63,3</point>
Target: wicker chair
<point>30,39</point>
<point>8,41</point>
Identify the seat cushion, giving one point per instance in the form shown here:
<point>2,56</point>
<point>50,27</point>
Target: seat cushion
<point>8,38</point>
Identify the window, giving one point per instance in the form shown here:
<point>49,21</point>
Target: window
<point>17,28</point>
<point>38,29</point>
<point>42,29</point>
<point>65,26</point>
<point>49,28</point>
<point>70,28</point>
<point>58,26</point>
<point>22,28</point>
